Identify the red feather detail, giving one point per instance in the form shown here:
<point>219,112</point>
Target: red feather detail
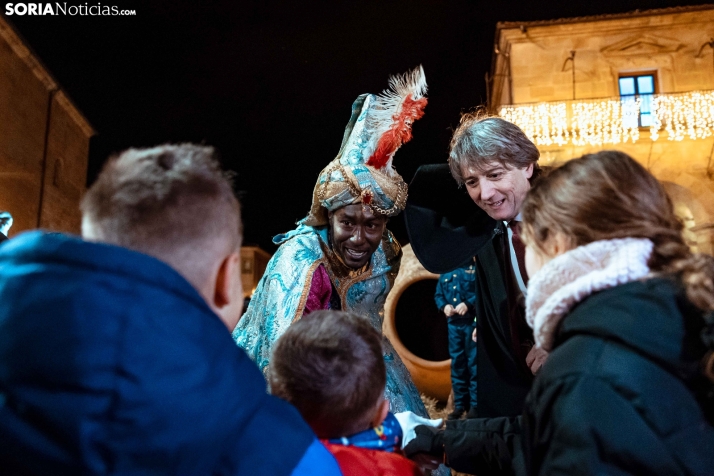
<point>399,133</point>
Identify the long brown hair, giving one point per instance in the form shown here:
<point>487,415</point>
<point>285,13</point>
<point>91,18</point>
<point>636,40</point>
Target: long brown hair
<point>609,195</point>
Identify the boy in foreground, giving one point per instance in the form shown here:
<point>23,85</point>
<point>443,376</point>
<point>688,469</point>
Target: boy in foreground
<point>329,365</point>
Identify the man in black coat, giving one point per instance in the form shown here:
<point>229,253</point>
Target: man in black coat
<point>495,162</point>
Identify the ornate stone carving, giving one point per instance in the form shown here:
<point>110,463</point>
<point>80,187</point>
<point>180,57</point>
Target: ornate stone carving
<point>642,45</point>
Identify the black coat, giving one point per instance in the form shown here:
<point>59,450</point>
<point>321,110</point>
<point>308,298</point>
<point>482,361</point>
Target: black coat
<point>446,230</point>
<point>614,397</point>
<point>504,338</point>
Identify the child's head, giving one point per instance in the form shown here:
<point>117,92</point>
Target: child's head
<point>329,365</point>
<point>604,196</point>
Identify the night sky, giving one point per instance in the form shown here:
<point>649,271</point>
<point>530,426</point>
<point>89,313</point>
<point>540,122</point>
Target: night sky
<point>270,84</point>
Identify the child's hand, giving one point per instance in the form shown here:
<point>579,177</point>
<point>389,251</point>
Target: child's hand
<point>449,310</point>
<point>473,336</point>
<point>461,309</point>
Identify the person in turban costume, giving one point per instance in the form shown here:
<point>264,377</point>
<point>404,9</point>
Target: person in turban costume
<point>341,256</point>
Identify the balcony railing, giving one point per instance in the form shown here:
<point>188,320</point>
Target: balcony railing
<point>614,120</point>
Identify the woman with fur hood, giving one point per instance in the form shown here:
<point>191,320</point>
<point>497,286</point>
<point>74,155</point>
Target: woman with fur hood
<point>623,306</point>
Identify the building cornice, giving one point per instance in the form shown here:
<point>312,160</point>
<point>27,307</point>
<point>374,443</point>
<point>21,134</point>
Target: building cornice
<point>26,55</point>
<point>506,25</point>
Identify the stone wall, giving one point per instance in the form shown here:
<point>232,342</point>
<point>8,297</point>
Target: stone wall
<point>668,43</point>
<point>531,66</point>
<point>44,143</point>
<point>253,263</point>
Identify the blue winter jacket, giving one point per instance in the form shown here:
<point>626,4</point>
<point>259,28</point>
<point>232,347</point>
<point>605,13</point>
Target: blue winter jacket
<point>111,362</point>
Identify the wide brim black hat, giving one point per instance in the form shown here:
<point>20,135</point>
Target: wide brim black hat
<point>446,228</point>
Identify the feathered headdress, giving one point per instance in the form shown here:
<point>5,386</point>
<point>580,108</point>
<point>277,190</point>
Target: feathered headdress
<point>362,172</point>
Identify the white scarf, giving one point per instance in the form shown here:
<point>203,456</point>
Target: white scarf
<point>571,277</point>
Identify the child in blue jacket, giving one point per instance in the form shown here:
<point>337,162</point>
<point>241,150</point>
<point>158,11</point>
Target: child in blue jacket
<point>456,297</point>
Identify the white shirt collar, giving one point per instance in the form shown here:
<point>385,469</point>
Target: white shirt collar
<point>518,218</point>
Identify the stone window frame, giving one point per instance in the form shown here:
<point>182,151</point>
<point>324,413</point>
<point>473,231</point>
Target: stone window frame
<point>637,74</point>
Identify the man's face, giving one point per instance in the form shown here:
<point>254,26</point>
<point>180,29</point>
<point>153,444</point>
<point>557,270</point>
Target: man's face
<point>497,190</point>
<point>356,234</point>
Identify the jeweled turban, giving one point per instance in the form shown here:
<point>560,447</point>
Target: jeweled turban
<point>362,172</point>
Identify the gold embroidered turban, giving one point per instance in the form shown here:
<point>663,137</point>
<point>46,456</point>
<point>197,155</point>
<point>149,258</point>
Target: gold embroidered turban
<point>362,172</point>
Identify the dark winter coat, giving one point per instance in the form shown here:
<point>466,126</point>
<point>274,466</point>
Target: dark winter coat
<point>614,397</point>
<point>112,363</point>
<point>446,230</point>
<point>504,338</point>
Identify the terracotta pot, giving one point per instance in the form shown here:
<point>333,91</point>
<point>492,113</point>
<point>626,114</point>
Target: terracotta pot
<point>432,378</point>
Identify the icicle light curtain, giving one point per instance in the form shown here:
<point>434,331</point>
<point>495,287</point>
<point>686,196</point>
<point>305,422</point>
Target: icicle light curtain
<point>614,121</point>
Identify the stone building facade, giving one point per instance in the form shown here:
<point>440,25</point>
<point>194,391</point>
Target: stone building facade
<point>44,143</point>
<point>568,83</point>
<point>253,261</point>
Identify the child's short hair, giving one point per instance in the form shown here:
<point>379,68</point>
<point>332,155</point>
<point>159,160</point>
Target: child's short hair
<point>329,365</point>
<point>173,202</point>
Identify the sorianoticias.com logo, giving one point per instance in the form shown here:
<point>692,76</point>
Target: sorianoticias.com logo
<point>62,8</point>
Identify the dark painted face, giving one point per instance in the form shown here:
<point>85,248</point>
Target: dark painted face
<point>356,234</point>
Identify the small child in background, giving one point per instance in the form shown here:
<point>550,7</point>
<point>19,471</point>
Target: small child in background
<point>456,297</point>
<point>329,365</point>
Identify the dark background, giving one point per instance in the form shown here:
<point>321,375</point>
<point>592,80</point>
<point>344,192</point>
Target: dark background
<point>270,83</point>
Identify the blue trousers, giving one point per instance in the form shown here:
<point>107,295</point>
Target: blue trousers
<point>462,350</point>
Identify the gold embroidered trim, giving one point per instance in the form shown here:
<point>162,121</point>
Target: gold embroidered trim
<point>341,276</point>
<point>347,284</point>
<point>306,289</point>
<point>399,203</point>
<point>390,245</point>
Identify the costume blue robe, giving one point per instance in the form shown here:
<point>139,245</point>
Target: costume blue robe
<point>282,292</point>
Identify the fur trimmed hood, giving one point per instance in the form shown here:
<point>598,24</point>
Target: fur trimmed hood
<point>573,276</point>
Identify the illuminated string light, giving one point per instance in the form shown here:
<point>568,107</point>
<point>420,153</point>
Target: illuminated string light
<point>689,113</point>
<point>545,123</point>
<point>605,122</point>
<point>614,121</point>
